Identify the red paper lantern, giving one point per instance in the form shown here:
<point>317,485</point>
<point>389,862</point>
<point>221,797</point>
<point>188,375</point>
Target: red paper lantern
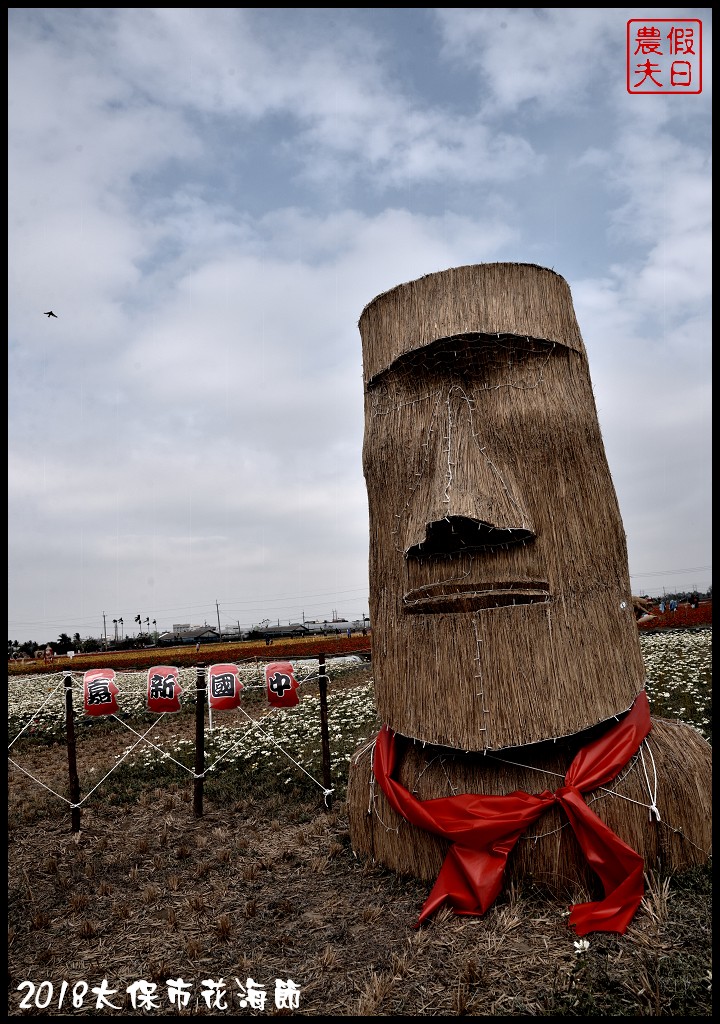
<point>100,692</point>
<point>224,687</point>
<point>281,685</point>
<point>163,689</point>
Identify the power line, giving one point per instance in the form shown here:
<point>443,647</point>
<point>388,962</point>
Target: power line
<point>672,572</point>
<point>275,601</point>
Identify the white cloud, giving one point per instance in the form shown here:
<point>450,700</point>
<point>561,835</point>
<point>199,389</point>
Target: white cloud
<point>547,57</point>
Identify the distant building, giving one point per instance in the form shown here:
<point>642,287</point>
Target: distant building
<point>232,632</point>
<point>337,626</point>
<point>198,634</point>
<point>292,629</point>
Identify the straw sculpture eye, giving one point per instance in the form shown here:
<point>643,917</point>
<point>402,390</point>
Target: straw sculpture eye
<point>492,362</point>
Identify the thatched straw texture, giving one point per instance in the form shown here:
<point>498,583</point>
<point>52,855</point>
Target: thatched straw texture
<point>489,298</point>
<point>499,588</point>
<point>548,854</point>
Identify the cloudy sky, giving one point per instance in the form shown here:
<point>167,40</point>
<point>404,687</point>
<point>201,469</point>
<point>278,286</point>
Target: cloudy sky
<point>208,198</point>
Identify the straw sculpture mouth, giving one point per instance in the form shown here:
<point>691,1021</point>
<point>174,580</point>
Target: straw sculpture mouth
<point>470,597</point>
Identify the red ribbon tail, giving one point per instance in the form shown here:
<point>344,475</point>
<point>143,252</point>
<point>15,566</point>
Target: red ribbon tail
<point>619,868</point>
<point>615,912</point>
<point>470,881</point>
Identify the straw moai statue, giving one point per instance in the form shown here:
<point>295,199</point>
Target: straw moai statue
<point>500,596</point>
<point>499,588</point>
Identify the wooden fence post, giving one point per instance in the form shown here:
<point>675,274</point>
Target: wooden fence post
<point>324,733</point>
<point>199,743</point>
<point>72,760</point>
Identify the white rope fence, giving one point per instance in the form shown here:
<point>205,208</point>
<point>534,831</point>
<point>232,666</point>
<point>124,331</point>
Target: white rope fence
<point>135,695</point>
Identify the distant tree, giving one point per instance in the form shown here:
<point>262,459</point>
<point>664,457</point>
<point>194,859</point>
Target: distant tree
<point>91,645</point>
<point>77,642</point>
<point>62,645</point>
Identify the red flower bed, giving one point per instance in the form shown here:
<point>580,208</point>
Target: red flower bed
<point>304,647</point>
<point>284,649</point>
<point>684,616</point>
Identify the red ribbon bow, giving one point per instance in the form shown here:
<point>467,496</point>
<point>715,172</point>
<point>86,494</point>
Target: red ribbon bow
<point>484,829</point>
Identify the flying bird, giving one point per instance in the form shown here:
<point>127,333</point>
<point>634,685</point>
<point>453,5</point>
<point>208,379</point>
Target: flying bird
<point>51,314</point>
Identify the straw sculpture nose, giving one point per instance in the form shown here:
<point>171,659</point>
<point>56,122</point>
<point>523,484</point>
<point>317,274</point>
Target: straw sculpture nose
<point>465,500</point>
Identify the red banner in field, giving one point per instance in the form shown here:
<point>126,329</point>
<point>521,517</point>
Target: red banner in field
<point>100,692</point>
<point>224,687</point>
<point>281,685</point>
<point>163,689</point>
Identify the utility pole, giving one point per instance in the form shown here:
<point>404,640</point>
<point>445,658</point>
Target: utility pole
<point>104,629</point>
<point>217,607</point>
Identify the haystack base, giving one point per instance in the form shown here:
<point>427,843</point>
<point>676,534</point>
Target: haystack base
<point>548,855</point>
